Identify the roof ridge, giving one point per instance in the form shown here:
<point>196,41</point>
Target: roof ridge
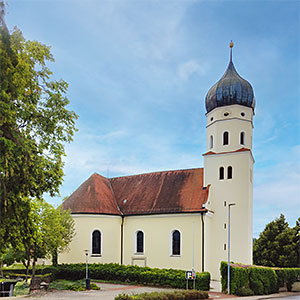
<point>113,193</point>
<point>155,172</point>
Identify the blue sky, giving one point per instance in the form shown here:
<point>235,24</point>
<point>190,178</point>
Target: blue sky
<point>138,74</point>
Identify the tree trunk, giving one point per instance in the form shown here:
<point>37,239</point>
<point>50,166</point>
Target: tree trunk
<point>1,266</point>
<point>33,270</point>
<point>27,269</point>
<point>54,258</point>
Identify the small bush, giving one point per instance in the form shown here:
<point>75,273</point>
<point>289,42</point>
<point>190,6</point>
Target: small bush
<point>78,285</point>
<point>244,291</point>
<point>178,295</point>
<point>94,286</point>
<point>21,289</point>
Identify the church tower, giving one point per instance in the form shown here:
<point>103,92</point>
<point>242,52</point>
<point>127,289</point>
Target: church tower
<point>228,169</point>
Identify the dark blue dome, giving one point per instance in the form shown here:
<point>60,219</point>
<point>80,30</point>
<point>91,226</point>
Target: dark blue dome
<point>230,89</point>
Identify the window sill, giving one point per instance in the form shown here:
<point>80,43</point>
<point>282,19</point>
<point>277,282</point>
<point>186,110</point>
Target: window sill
<point>175,255</point>
<point>96,255</point>
<point>139,253</point>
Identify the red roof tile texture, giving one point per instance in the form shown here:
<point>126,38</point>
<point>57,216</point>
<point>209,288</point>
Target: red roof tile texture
<point>239,150</point>
<point>93,196</point>
<point>152,193</point>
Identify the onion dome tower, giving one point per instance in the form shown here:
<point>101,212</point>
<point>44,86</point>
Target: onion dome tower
<point>230,89</point>
<point>228,166</point>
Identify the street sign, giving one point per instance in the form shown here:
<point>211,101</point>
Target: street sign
<point>190,275</point>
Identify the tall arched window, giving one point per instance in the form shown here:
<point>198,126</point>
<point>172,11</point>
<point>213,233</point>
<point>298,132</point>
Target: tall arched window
<point>211,142</point>
<point>96,242</point>
<point>229,172</point>
<point>242,138</point>
<point>176,242</point>
<point>226,138</point>
<point>139,242</point>
<point>221,173</point>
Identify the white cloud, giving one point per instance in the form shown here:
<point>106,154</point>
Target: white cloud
<point>189,68</point>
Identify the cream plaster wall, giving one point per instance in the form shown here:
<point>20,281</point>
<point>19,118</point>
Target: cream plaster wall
<point>237,190</point>
<point>157,240</point>
<point>110,228</point>
<point>234,123</point>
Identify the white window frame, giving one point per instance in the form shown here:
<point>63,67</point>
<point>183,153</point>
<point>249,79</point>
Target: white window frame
<point>228,138</point>
<point>91,243</point>
<point>244,134</point>
<point>135,242</point>
<point>171,243</point>
<point>211,142</point>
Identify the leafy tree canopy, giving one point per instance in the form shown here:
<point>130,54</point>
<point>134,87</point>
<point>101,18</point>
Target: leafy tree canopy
<point>41,232</point>
<point>34,124</point>
<point>278,245</point>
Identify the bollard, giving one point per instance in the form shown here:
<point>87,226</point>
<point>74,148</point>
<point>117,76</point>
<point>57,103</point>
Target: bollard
<point>88,283</point>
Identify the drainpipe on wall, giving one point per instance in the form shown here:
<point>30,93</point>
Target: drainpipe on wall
<point>202,220</point>
<point>122,237</point>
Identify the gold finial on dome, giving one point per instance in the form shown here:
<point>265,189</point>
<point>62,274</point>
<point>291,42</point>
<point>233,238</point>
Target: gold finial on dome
<point>231,46</point>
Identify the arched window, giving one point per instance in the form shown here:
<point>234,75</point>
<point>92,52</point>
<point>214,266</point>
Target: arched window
<point>229,172</point>
<point>96,242</point>
<point>211,142</point>
<point>221,173</point>
<point>176,242</point>
<point>226,138</point>
<point>139,242</point>
<point>242,138</point>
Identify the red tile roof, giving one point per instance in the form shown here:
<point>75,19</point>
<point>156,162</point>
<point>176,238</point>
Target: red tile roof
<point>93,196</point>
<point>239,150</point>
<point>152,193</point>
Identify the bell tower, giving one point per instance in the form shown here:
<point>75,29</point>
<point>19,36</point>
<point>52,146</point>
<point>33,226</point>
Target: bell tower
<point>228,168</point>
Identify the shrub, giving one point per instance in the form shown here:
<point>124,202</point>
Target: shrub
<point>131,274</point>
<point>288,276</point>
<point>261,280</point>
<point>244,291</point>
<point>178,295</point>
<point>238,278</point>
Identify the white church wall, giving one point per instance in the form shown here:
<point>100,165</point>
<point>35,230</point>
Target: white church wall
<point>234,119</point>
<point>222,192</point>
<point>157,240</point>
<point>85,224</point>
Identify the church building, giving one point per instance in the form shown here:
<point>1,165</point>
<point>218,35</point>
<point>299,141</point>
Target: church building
<point>177,219</point>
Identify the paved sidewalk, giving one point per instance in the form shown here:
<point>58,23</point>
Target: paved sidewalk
<point>110,291</point>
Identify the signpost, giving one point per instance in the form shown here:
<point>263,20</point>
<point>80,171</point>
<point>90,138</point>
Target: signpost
<point>190,275</point>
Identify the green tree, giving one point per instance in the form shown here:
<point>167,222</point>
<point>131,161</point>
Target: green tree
<point>44,231</point>
<point>34,126</point>
<point>277,245</point>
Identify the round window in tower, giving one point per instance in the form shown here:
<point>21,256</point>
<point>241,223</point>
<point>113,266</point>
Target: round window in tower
<point>211,118</point>
<point>242,114</point>
<point>226,114</point>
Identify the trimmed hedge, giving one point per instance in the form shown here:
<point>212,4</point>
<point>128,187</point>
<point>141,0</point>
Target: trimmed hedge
<point>180,295</point>
<point>239,278</point>
<point>245,279</point>
<point>287,276</point>
<point>130,274</point>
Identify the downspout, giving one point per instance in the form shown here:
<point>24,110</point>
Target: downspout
<point>122,238</point>
<point>202,220</point>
